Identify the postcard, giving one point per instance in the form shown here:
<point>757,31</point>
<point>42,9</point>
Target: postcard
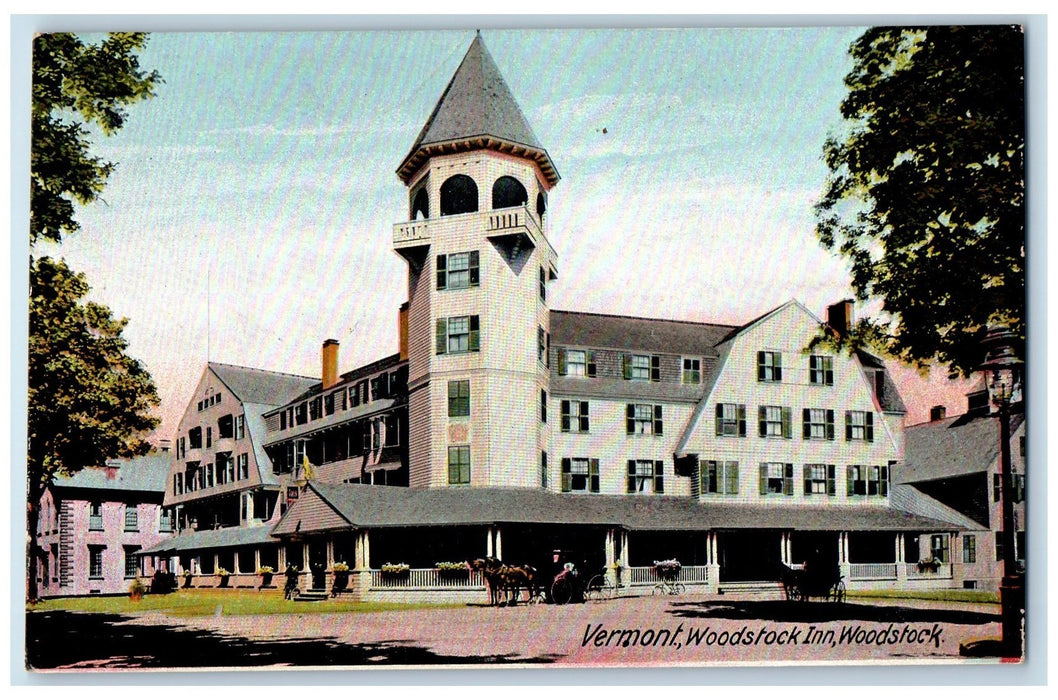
<point>576,348</point>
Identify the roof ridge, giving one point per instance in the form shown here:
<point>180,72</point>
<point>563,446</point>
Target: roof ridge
<point>212,363</point>
<point>645,318</point>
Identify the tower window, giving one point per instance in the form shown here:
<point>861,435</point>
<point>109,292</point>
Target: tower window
<point>459,195</point>
<point>457,270</point>
<point>420,204</point>
<point>508,192</point>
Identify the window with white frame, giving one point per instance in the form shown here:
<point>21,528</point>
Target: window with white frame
<point>821,370</point>
<point>645,476</point>
<point>240,426</point>
<point>132,518</point>
<point>776,478</point>
<point>459,464</point>
<point>643,419</point>
<point>243,465</point>
<point>641,368</point>
<point>769,366</point>
<point>458,398</point>
<point>867,480</point>
<point>774,421</point>
<point>692,370</point>
<point>859,426</point>
<point>95,516</point>
<point>820,480</point>
<point>576,363</point>
<point>541,345</point>
<point>575,416</point>
<point>580,475</point>
<point>458,334</point>
<point>95,560</point>
<point>731,420</point>
<point>132,568</point>
<point>719,477</point>
<point>458,270</point>
<point>818,424</point>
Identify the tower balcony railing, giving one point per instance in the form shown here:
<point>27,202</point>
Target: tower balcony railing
<point>512,220</point>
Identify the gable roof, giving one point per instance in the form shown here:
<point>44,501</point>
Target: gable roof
<point>889,399</point>
<point>261,386</point>
<point>477,104</point>
<point>577,328</point>
<point>956,446</point>
<point>394,506</point>
<point>148,474</point>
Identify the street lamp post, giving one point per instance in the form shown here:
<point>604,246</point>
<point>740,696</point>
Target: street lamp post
<point>1002,374</point>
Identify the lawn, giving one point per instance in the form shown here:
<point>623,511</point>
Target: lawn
<point>212,602</point>
<point>958,595</point>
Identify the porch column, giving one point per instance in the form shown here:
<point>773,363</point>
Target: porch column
<point>489,542</point>
<point>901,565</point>
<point>626,576</point>
<point>281,557</point>
<point>330,552</point>
<point>843,558</point>
<point>367,549</point>
<point>256,559</point>
<point>499,545</point>
<point>714,562</point>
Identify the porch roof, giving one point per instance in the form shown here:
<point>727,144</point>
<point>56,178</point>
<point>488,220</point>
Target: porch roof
<point>363,506</point>
<point>212,539</point>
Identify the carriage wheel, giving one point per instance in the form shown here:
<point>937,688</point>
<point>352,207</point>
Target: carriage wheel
<point>593,593</point>
<point>659,589</point>
<point>838,593</point>
<point>562,592</point>
<point>679,589</point>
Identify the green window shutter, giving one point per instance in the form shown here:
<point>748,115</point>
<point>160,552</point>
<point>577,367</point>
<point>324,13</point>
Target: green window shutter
<point>631,476</point>
<point>831,480</point>
<point>883,485</point>
<point>658,423</point>
<point>807,471</point>
<point>565,416</point>
<point>848,426</point>
<point>626,366</point>
<point>659,476</point>
<point>475,334</point>
<point>566,476</point>
<point>731,474</point>
<point>561,355</point>
<point>763,480</point>
<point>584,427</point>
<point>442,336</point>
<point>593,473</point>
<point>850,484</point>
<point>830,424</point>
<point>474,275</point>
<point>655,368</point>
<point>829,378</point>
<point>787,423</point>
<point>442,274</point>
<point>806,417</point>
<point>760,368</point>
<point>787,482</point>
<point>719,418</point>
<point>630,419</point>
<point>778,367</point>
<point>591,363</point>
<point>870,427</point>
<point>741,412</point>
<point>762,420</point>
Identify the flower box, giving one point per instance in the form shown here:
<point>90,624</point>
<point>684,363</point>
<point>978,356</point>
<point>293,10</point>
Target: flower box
<point>668,569</point>
<point>395,570</point>
<point>451,570</point>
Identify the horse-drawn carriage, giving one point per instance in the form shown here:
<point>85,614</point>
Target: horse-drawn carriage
<point>812,580</point>
<point>563,583</point>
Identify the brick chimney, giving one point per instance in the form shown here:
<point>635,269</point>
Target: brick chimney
<point>839,317</point>
<point>330,363</point>
<point>402,330</point>
<point>937,413</point>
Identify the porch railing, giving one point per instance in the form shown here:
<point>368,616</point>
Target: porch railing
<point>861,572</point>
<point>427,579</point>
<point>914,572</point>
<point>647,576</point>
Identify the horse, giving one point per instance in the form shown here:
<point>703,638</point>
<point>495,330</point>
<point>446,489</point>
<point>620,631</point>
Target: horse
<point>791,580</point>
<point>504,581</point>
<point>492,571</point>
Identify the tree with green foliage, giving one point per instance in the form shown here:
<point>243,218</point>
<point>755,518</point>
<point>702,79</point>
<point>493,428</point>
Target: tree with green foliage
<point>75,86</point>
<point>88,400</point>
<point>926,193</point>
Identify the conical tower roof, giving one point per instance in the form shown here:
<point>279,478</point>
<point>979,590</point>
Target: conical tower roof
<point>477,110</point>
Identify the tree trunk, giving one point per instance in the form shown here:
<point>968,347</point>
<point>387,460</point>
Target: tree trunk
<point>32,518</point>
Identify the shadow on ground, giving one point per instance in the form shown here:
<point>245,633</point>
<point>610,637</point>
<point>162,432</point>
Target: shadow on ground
<point>67,640</point>
<point>820,611</point>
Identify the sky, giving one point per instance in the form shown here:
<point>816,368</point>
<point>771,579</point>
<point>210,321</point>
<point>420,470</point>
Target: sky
<point>250,216</point>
